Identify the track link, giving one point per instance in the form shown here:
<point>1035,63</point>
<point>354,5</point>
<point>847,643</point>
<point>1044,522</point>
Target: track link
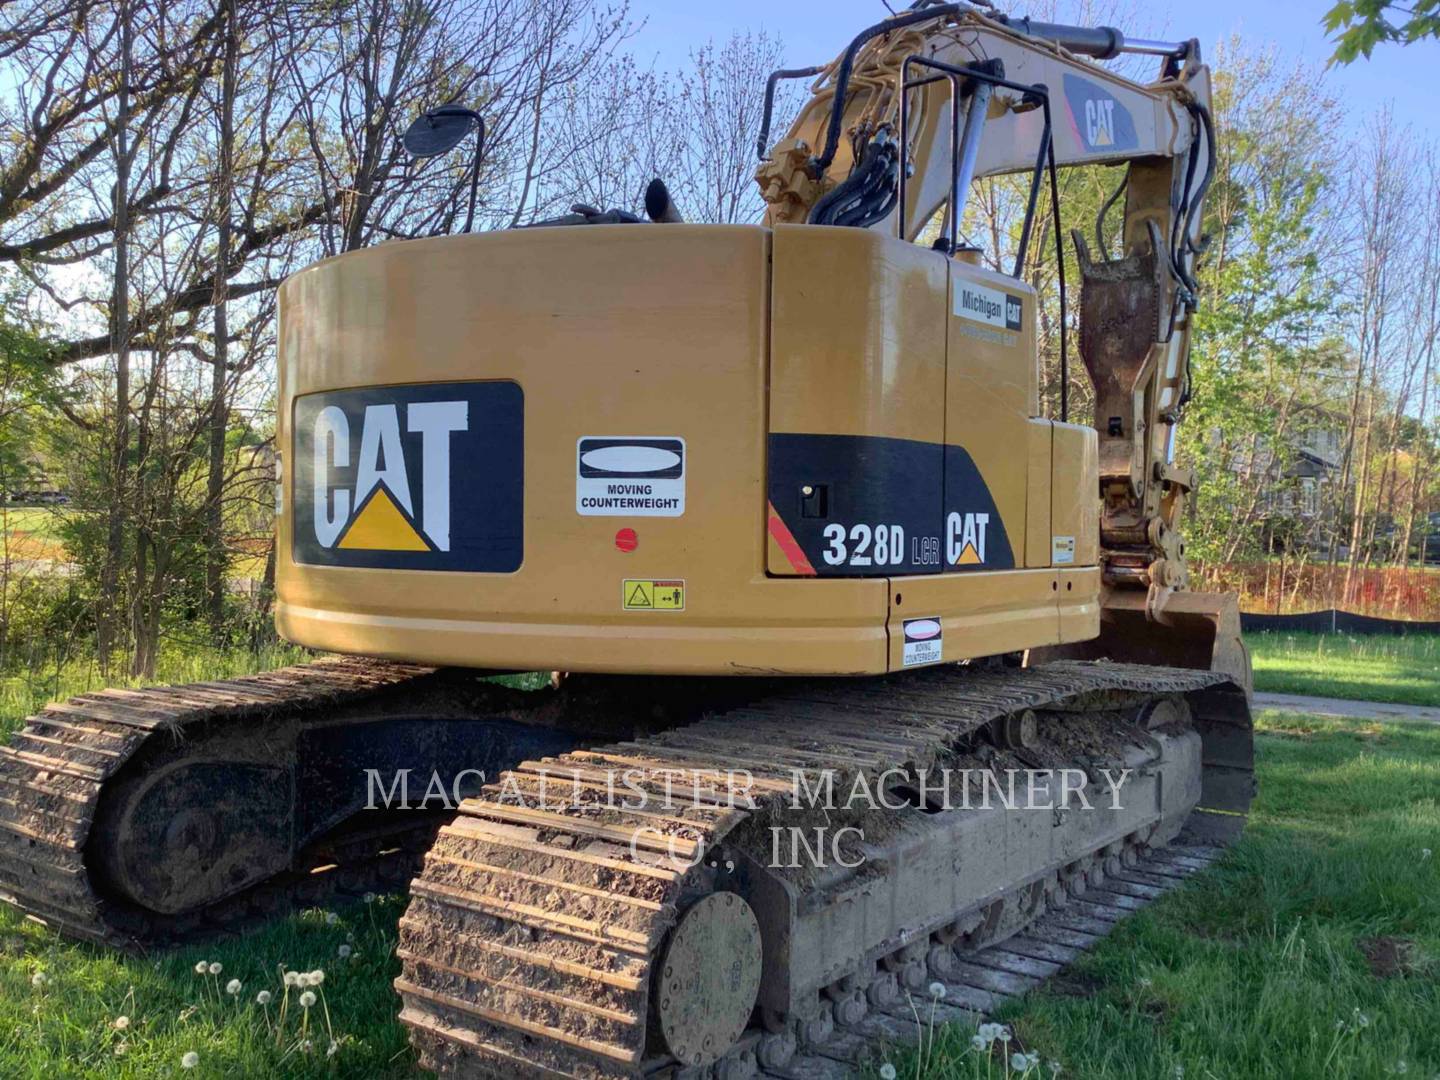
<point>986,979</point>
<point>55,768</point>
<point>531,943</point>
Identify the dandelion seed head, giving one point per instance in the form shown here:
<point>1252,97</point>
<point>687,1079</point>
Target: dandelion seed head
<point>977,1042</point>
<point>216,967</point>
<point>1425,854</point>
<point>190,1060</point>
<point>120,1023</point>
<point>317,977</point>
<point>369,898</point>
<point>307,999</point>
<point>201,968</point>
<point>937,990</point>
<point>887,1071</point>
<point>1004,1035</point>
<point>263,997</point>
<point>332,1049</point>
<point>121,1047</point>
<point>302,980</point>
<point>1055,1068</point>
<point>306,1046</point>
<point>39,979</point>
<point>233,987</point>
<point>344,952</point>
<point>331,918</point>
<point>292,979</point>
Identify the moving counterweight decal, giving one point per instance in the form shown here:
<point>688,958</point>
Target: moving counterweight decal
<point>864,506</point>
<point>423,477</point>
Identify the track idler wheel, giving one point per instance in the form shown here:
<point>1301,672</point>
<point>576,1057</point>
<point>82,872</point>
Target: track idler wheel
<point>708,979</point>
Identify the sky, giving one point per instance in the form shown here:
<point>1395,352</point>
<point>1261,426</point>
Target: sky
<point>1406,77</point>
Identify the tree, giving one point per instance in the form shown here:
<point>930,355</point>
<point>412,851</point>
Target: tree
<point>1363,24</point>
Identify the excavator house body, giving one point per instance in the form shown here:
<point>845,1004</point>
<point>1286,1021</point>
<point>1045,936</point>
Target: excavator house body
<point>688,450</point>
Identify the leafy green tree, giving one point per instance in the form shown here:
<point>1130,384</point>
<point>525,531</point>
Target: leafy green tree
<point>1363,24</point>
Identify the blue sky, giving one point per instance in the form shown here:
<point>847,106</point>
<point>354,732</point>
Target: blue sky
<point>814,32</point>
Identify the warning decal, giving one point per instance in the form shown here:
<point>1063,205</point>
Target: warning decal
<point>924,642</point>
<point>1062,550</point>
<point>629,476</point>
<point>647,594</point>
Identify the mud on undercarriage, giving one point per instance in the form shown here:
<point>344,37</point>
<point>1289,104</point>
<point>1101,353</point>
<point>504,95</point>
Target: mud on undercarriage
<point>668,900</point>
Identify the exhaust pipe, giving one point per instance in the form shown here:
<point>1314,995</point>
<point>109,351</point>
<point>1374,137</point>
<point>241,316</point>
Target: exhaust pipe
<point>659,207</point>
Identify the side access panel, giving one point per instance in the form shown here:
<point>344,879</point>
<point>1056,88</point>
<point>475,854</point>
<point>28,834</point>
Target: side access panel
<point>855,461</point>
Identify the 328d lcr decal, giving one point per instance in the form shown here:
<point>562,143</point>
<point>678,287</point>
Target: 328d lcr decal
<point>427,477</point>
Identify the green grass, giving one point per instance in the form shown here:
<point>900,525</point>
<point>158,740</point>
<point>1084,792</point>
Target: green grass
<point>1255,968</point>
<point>66,1027</point>
<point>1402,670</point>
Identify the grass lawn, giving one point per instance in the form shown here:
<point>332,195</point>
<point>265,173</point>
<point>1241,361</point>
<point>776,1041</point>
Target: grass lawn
<point>1258,967</point>
<point>1254,969</point>
<point>1404,670</point>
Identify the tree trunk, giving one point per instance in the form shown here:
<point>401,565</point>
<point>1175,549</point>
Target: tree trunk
<point>215,555</point>
<point>110,612</point>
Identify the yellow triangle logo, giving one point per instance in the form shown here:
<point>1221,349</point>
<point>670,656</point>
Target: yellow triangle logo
<point>382,526</point>
<point>968,557</point>
<point>639,597</point>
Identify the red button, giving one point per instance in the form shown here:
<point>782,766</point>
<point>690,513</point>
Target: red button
<point>626,540</point>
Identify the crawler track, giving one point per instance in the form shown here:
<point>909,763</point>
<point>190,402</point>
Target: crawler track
<point>53,772</point>
<point>985,979</point>
<point>534,931</point>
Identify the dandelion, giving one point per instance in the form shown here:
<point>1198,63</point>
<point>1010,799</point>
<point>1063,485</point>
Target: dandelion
<point>990,1032</point>
<point>332,1049</point>
<point>1179,1072</point>
<point>369,898</point>
<point>121,1047</point>
<point>233,987</point>
<point>201,968</point>
<point>1401,1067</point>
<point>331,918</point>
<point>317,977</point>
<point>887,1071</point>
<point>216,967</point>
<point>39,979</point>
<point>263,997</point>
<point>306,1046</point>
<point>1004,1036</point>
<point>120,1023</point>
<point>302,980</point>
<point>190,1060</point>
<point>292,979</point>
<point>1019,1062</point>
<point>307,999</point>
<point>1145,983</point>
<point>1055,1068</point>
<point>937,990</point>
<point>1425,854</point>
<point>345,951</point>
<point>978,1043</point>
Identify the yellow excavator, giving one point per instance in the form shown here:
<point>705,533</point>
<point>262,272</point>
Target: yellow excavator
<point>781,503</point>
